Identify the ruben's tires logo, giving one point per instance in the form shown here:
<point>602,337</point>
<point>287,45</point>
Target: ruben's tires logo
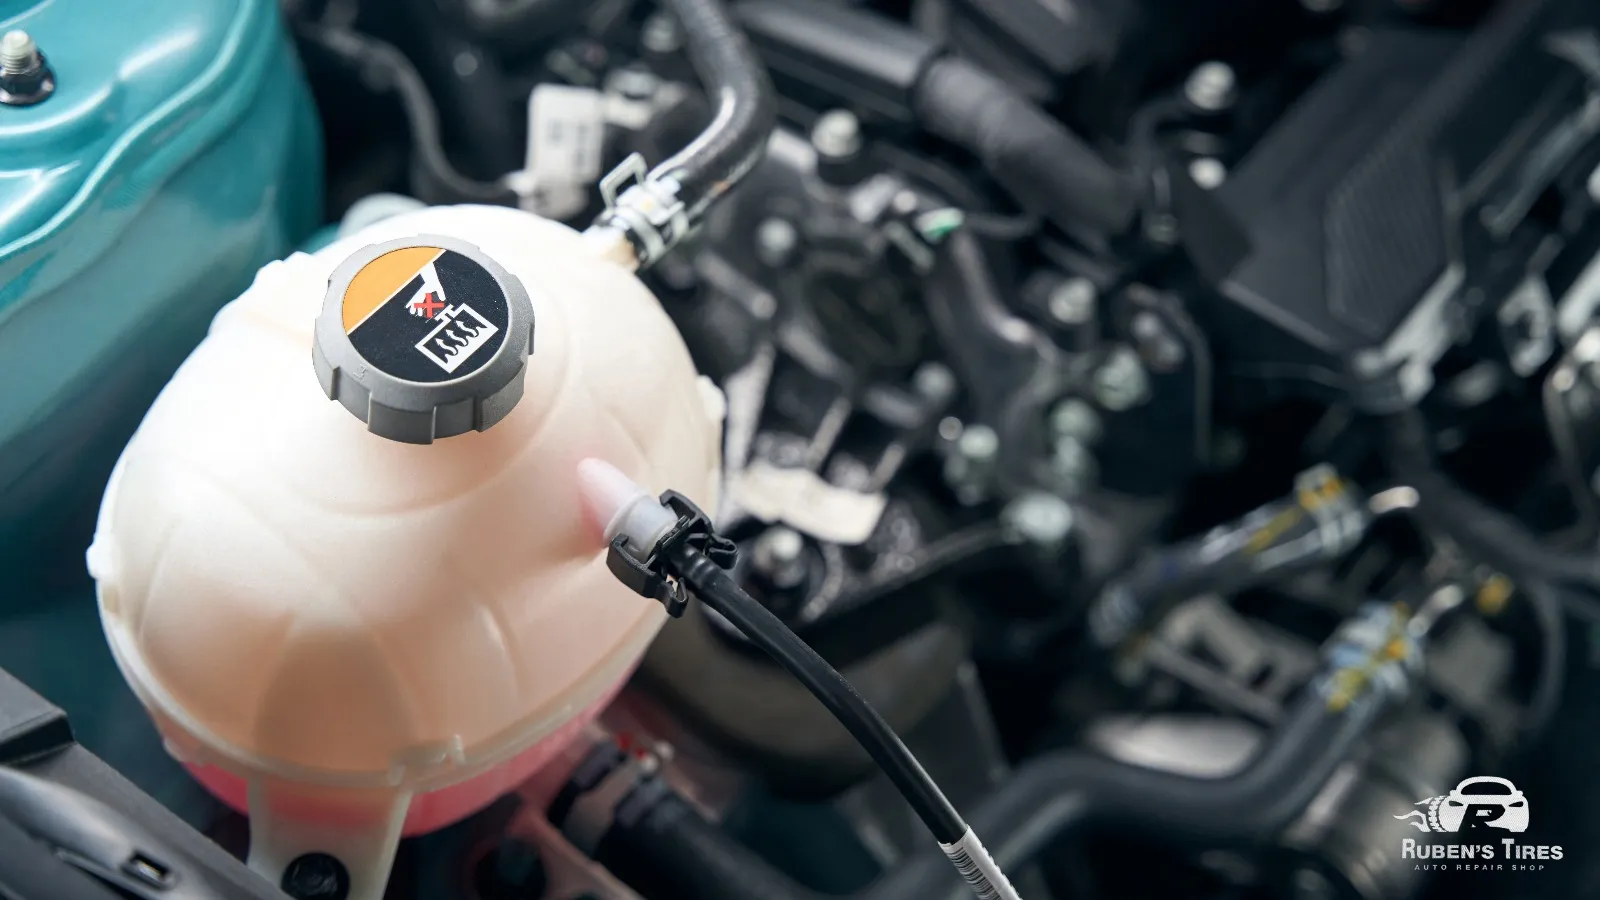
<point>1474,811</point>
<point>1481,802</point>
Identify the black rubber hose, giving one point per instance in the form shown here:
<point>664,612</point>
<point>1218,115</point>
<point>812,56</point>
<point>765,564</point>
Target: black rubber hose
<point>1545,701</point>
<point>1269,543</point>
<point>1054,794</point>
<point>746,109</point>
<point>1490,536</point>
<point>439,178</point>
<point>1495,537</point>
<point>1047,169</point>
<point>718,591</point>
<point>517,23</point>
<point>675,850</point>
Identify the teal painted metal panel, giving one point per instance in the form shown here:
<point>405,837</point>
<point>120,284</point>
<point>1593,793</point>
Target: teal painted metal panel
<point>180,152</point>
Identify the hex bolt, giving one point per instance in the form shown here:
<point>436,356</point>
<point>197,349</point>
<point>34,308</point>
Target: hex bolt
<point>1158,346</point>
<point>1211,87</point>
<point>25,77</point>
<point>316,876</point>
<point>1073,418</point>
<point>978,443</point>
<point>970,468</point>
<point>779,557</point>
<point>1121,382</point>
<point>1074,465</point>
<point>1040,518</point>
<point>661,34</point>
<point>18,53</point>
<point>776,240</point>
<point>1207,172</point>
<point>1072,302</point>
<point>634,83</point>
<point>934,382</point>
<point>837,134</point>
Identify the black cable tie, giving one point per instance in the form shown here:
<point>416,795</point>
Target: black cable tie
<point>652,574</point>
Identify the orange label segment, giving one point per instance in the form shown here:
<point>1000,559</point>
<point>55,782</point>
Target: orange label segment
<point>380,280</point>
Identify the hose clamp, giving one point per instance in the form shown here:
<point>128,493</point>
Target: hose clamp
<point>652,575</point>
<point>1372,652</point>
<point>645,209</point>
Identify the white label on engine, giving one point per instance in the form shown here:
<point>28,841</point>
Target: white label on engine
<point>803,501</point>
<point>566,131</point>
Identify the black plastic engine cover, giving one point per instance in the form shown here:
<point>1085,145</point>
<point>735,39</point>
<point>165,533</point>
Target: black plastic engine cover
<point>1364,207</point>
<point>36,740</point>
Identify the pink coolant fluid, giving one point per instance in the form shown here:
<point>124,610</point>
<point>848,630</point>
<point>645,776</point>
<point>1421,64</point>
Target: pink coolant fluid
<point>445,806</point>
<point>350,638</point>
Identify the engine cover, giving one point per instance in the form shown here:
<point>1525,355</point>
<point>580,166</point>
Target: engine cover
<point>1407,190</point>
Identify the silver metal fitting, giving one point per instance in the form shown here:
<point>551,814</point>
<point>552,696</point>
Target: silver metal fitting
<point>1372,651</point>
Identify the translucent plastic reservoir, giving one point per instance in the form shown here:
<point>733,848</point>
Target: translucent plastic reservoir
<point>351,636</point>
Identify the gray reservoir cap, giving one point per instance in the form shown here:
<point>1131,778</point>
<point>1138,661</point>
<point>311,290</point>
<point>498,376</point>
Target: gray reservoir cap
<point>423,338</point>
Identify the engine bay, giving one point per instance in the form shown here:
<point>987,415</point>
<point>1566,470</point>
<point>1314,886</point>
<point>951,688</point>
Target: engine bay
<point>1179,419</point>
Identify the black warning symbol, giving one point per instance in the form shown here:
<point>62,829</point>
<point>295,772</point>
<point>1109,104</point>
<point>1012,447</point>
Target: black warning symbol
<point>445,320</point>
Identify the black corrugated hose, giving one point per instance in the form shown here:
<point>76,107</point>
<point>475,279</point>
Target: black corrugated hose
<point>1047,169</point>
<point>681,855</point>
<point>739,89</point>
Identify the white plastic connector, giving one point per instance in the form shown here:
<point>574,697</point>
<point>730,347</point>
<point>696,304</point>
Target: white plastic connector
<point>625,508</point>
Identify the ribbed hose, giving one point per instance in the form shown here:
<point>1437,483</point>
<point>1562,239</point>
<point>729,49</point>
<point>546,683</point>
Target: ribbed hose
<point>1047,169</point>
<point>746,111</point>
<point>678,854</point>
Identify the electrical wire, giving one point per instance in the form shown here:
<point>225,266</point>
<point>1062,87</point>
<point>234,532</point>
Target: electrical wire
<point>718,591</point>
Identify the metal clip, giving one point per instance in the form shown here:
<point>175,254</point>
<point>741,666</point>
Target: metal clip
<point>628,172</point>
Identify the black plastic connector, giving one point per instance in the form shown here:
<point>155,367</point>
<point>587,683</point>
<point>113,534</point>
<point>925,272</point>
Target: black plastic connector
<point>652,575</point>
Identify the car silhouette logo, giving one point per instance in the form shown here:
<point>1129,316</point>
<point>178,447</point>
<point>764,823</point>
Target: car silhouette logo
<point>1480,802</point>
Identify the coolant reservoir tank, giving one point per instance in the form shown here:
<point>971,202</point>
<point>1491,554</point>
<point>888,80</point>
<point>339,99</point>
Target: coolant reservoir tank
<point>353,637</point>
